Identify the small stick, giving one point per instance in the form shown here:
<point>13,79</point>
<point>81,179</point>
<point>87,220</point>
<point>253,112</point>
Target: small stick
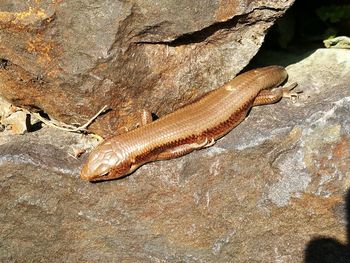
<point>70,128</point>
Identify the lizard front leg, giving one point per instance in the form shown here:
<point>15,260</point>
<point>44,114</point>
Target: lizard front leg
<point>184,149</point>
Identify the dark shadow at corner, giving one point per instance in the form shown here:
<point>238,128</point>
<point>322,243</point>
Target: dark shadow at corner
<point>330,250</point>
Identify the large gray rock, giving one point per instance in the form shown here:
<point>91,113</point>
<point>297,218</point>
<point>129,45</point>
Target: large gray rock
<point>272,190</point>
<point>69,58</point>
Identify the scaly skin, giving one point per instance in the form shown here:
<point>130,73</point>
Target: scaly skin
<point>191,127</point>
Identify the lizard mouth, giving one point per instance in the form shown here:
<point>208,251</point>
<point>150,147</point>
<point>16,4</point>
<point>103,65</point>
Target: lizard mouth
<point>101,177</point>
<point>96,177</point>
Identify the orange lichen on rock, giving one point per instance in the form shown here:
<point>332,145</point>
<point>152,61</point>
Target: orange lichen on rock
<point>42,48</point>
<point>23,18</point>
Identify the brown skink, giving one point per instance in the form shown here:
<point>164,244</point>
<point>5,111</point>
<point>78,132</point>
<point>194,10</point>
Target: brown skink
<point>189,128</point>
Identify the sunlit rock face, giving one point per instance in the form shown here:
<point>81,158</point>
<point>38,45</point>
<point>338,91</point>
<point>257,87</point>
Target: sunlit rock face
<point>70,58</point>
<point>272,190</point>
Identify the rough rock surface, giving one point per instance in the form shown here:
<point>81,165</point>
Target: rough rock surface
<point>13,120</point>
<point>272,190</point>
<point>69,58</point>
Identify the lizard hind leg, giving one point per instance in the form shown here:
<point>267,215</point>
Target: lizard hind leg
<point>271,96</point>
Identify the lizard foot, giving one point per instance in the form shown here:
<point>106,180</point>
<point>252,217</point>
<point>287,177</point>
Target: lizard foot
<point>289,93</point>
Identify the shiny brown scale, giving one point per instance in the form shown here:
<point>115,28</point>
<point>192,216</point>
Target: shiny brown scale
<point>191,127</point>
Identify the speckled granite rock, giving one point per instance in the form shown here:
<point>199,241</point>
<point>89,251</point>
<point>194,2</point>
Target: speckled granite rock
<point>69,58</point>
<point>272,190</point>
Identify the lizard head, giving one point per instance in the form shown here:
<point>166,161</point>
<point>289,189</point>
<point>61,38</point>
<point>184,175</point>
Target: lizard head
<point>105,162</point>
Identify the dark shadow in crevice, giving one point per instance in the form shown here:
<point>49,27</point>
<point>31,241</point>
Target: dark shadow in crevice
<point>299,33</point>
<point>330,250</point>
<point>203,34</point>
<point>4,63</point>
<point>32,127</point>
<point>154,116</point>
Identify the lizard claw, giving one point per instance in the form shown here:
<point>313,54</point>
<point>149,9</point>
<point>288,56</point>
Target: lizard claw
<point>206,143</point>
<point>211,143</point>
<point>288,93</point>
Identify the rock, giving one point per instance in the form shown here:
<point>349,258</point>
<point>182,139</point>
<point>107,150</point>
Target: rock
<point>273,190</point>
<point>17,122</point>
<point>69,58</point>
<point>337,42</point>
<point>5,109</point>
<point>12,120</point>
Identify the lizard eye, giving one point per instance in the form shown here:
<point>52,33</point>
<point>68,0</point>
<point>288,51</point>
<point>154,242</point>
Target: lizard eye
<point>105,174</point>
